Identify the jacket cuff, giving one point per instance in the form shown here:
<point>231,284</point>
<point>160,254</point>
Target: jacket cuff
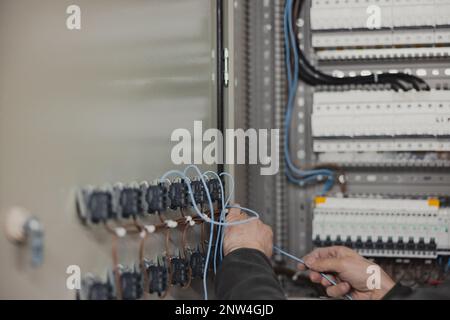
<point>397,292</point>
<point>243,252</point>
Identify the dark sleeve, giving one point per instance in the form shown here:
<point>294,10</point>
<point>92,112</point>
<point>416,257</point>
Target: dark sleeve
<point>399,292</point>
<point>247,274</point>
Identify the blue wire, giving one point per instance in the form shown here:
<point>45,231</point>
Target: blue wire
<point>293,84</point>
<point>195,207</point>
<point>206,218</point>
<point>230,196</point>
<point>221,217</point>
<point>314,178</point>
<point>286,47</point>
<point>290,37</point>
<point>211,229</point>
<point>221,230</point>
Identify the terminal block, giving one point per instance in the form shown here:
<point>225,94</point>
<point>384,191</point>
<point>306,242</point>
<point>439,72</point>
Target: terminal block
<point>95,205</point>
<point>158,277</point>
<point>131,284</point>
<point>130,202</point>
<point>180,271</point>
<point>96,289</point>
<point>214,189</point>
<point>178,195</point>
<point>197,263</point>
<point>199,192</point>
<point>157,198</point>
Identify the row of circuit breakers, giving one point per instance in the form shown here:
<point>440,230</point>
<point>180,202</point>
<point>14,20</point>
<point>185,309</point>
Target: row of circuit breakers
<point>382,127</point>
<point>385,126</point>
<point>383,227</point>
<point>395,23</point>
<point>121,203</point>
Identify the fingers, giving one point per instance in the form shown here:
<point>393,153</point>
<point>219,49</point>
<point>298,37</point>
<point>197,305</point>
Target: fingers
<point>343,262</point>
<point>316,277</point>
<point>331,252</point>
<point>324,264</point>
<point>338,290</point>
<point>326,281</point>
<point>253,235</point>
<point>234,214</point>
<point>301,267</point>
<point>323,260</point>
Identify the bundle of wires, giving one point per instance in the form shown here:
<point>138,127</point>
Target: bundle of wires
<point>293,173</point>
<point>310,75</point>
<point>221,223</point>
<point>299,68</point>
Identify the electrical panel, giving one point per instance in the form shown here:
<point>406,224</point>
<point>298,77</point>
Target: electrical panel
<point>388,145</point>
<point>380,131</point>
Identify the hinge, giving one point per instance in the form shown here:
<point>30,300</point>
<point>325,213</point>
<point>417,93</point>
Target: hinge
<point>226,67</point>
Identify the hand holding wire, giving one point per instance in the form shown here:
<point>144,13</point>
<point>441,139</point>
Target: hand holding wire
<point>221,223</point>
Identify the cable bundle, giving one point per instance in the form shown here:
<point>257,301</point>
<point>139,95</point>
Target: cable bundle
<point>221,224</point>
<point>312,76</point>
<point>293,173</point>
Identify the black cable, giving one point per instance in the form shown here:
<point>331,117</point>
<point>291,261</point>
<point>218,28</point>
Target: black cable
<point>312,76</point>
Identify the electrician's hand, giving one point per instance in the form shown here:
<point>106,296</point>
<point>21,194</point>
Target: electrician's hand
<point>253,234</point>
<point>354,274</point>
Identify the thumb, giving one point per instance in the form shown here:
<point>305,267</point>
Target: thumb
<point>324,264</point>
<point>233,214</point>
